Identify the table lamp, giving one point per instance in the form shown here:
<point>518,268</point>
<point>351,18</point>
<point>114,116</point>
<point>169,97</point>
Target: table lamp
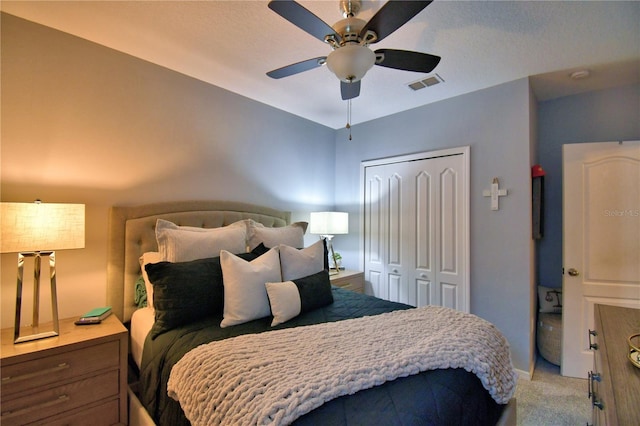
<point>328,224</point>
<point>37,230</point>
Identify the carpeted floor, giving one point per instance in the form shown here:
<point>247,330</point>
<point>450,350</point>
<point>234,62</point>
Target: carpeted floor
<point>550,399</point>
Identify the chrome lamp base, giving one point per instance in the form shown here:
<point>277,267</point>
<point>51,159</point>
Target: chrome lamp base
<point>35,325</point>
<point>335,270</point>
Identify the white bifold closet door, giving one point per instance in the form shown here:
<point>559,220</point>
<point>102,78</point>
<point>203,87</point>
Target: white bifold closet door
<point>416,230</point>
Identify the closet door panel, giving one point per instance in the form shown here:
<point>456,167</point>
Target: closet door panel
<point>424,292</point>
<point>448,295</point>
<point>399,232</point>
<point>448,242</point>
<point>395,289</point>
<point>451,233</point>
<point>423,222</point>
<point>424,216</point>
<point>375,234</point>
<point>395,219</point>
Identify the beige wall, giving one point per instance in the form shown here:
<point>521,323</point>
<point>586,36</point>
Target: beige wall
<point>85,124</point>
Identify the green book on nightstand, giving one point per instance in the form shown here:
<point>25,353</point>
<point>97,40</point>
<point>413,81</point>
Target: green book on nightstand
<point>99,313</point>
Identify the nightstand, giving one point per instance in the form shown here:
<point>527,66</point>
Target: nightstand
<point>351,280</point>
<point>76,378</point>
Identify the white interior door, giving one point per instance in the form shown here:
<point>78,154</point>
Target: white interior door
<point>416,230</point>
<point>601,240</point>
<point>385,257</point>
<point>439,269</point>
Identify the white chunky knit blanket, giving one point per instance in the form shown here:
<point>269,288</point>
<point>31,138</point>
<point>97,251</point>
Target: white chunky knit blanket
<point>275,377</point>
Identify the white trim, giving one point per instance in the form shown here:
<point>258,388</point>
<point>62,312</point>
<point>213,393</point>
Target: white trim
<point>525,375</point>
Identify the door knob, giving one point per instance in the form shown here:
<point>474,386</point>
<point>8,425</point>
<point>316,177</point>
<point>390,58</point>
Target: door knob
<point>573,272</point>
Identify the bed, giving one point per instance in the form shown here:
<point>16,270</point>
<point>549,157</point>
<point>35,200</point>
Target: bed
<point>353,374</point>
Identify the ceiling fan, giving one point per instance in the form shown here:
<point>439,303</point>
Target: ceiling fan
<point>350,38</point>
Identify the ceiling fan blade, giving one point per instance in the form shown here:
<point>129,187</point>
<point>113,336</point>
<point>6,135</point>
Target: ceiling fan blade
<point>298,67</point>
<point>392,16</point>
<point>301,17</point>
<point>408,60</point>
<point>349,90</point>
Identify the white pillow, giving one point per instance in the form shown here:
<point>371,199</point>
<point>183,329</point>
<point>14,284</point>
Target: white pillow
<point>285,301</point>
<point>291,235</point>
<point>149,257</point>
<point>185,243</point>
<point>245,295</point>
<point>301,263</point>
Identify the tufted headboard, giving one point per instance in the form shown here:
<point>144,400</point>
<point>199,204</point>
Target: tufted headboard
<point>132,233</point>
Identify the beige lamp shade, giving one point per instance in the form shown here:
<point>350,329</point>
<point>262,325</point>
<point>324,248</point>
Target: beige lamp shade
<point>30,227</point>
<point>351,62</point>
<point>329,223</point>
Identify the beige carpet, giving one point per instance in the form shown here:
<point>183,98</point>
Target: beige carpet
<point>550,399</point>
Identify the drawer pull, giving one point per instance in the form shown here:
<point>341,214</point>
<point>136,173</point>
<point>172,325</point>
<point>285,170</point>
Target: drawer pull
<point>59,367</point>
<point>593,346</point>
<point>59,400</point>
<point>593,377</point>
<point>597,403</point>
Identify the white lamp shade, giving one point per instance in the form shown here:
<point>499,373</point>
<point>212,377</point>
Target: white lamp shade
<point>28,227</point>
<point>329,223</point>
<point>351,62</point>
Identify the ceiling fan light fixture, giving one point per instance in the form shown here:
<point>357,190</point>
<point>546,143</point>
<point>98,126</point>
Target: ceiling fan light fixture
<point>350,38</point>
<point>351,62</point>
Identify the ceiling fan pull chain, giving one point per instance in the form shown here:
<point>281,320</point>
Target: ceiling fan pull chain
<point>348,126</point>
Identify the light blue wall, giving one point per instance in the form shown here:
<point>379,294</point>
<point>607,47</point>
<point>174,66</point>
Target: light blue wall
<point>496,124</point>
<point>601,116</point>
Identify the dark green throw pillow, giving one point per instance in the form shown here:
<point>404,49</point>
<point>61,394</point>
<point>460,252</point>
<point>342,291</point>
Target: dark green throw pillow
<point>184,292</point>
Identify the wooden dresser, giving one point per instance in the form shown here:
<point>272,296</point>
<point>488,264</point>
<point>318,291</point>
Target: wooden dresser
<point>76,378</point>
<point>614,386</point>
<point>351,280</point>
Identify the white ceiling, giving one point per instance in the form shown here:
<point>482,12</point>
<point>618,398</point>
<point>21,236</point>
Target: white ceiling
<point>232,44</point>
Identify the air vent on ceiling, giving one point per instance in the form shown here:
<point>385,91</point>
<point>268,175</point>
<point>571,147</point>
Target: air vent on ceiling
<point>426,82</point>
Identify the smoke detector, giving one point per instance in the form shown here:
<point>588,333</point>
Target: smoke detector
<point>579,75</point>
